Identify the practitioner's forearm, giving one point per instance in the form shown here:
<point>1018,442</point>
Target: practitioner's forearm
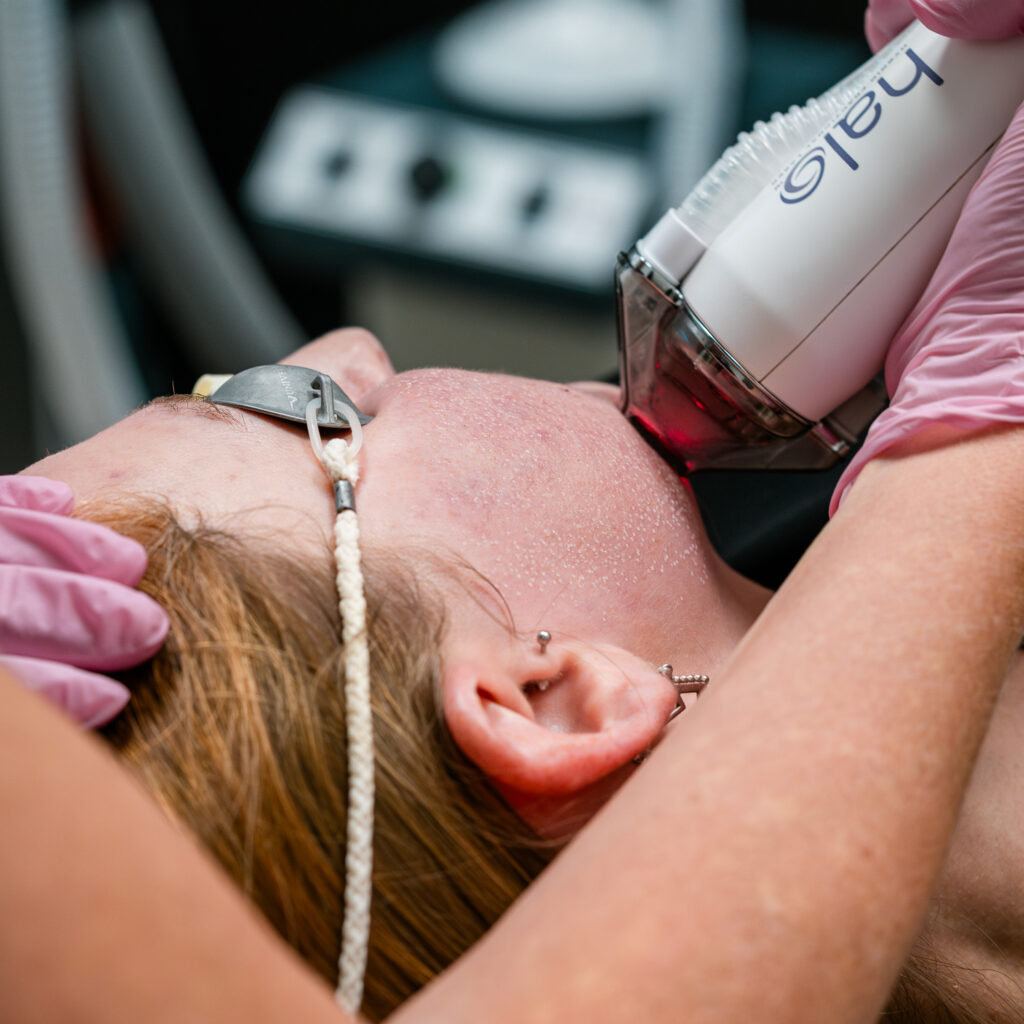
<point>108,914</point>
<point>912,606</point>
<point>768,862</point>
<point>773,857</point>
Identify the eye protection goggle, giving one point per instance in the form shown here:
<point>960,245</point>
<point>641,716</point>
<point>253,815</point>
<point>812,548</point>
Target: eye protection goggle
<point>283,391</point>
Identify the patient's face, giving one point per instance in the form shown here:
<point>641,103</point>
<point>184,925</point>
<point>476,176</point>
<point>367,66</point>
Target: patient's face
<point>542,487</point>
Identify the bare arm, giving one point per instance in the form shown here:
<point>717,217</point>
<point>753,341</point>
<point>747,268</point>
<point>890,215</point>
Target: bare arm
<point>107,913</point>
<point>770,862</point>
<point>774,857</point>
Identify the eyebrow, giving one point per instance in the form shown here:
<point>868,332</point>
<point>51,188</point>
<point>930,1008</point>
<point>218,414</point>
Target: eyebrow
<point>200,404</point>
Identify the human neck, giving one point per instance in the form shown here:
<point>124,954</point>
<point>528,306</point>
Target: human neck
<point>726,611</point>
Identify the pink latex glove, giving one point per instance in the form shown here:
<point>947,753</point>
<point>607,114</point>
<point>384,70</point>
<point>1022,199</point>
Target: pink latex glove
<point>962,19</point>
<point>67,601</point>
<point>958,358</point>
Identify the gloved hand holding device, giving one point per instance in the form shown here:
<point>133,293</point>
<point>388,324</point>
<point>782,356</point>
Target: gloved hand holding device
<point>68,607</point>
<point>958,358</point>
<point>961,19</point>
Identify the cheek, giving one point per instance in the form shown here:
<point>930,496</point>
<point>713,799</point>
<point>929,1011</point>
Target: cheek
<point>545,492</point>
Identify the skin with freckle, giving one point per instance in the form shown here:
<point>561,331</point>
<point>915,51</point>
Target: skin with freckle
<point>616,519</point>
<point>544,489</point>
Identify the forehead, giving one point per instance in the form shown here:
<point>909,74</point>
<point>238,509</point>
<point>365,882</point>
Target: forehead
<point>208,462</point>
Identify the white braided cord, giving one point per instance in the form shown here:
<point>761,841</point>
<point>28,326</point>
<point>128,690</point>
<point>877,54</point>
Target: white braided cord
<point>339,460</point>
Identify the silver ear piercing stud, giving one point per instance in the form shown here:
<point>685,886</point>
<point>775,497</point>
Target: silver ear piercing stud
<point>540,685</point>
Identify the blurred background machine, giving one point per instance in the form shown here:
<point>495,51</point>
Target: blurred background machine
<point>482,178</point>
<point>200,185</point>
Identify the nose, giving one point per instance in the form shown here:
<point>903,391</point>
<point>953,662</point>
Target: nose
<point>352,357</point>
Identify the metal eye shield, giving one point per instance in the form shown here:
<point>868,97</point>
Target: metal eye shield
<point>285,391</point>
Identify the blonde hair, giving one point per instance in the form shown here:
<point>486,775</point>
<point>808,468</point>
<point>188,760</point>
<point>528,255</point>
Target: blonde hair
<point>933,989</point>
<point>237,728</point>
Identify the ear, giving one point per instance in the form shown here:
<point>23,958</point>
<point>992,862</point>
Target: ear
<point>552,722</point>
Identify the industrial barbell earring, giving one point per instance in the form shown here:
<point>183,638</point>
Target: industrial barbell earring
<point>683,684</point>
<point>691,683</point>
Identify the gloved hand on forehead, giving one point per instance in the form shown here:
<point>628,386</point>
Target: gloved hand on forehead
<point>958,358</point>
<point>68,607</point>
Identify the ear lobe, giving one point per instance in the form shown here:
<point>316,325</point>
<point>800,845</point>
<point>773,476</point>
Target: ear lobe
<point>600,708</point>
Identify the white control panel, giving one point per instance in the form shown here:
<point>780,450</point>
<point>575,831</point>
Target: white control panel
<point>449,188</point>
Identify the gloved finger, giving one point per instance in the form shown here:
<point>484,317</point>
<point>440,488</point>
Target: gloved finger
<point>971,19</point>
<point>67,617</point>
<point>29,537</point>
<point>962,19</point>
<point>90,699</point>
<point>885,19</point>
<point>36,492</point>
<point>977,290</point>
<point>958,358</point>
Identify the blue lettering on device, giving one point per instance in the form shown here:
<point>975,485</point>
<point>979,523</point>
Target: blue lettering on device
<point>807,172</point>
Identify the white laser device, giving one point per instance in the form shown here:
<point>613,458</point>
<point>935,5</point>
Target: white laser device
<point>754,317</point>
